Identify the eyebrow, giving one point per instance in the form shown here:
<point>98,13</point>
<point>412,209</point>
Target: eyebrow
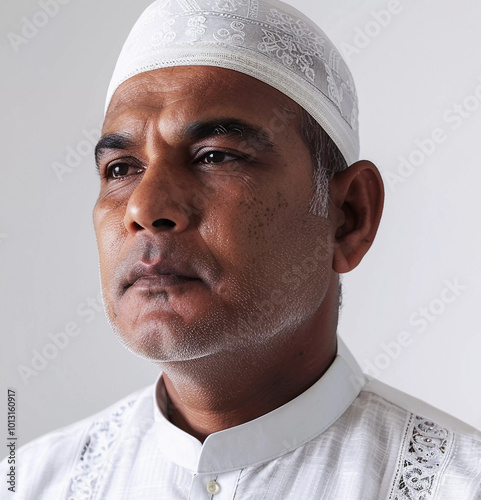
<point>254,136</point>
<point>117,140</point>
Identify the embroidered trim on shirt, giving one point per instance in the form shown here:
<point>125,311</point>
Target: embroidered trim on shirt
<point>94,457</point>
<point>424,454</point>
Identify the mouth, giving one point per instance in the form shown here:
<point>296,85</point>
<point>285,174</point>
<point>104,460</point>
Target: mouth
<point>158,283</point>
<point>156,278</point>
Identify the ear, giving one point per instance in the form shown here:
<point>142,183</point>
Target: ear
<point>357,198</point>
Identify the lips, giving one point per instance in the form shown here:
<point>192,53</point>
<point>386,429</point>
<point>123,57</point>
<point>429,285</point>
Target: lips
<point>159,275</point>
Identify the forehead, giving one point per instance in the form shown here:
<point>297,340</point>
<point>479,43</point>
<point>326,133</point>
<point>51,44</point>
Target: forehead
<point>187,92</point>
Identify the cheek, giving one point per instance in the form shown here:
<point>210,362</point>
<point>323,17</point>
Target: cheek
<point>110,233</point>
<point>294,263</point>
<point>277,258</point>
<point>261,236</point>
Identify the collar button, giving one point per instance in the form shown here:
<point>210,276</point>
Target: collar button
<point>213,487</point>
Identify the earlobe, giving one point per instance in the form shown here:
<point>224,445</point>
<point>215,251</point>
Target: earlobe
<point>357,197</point>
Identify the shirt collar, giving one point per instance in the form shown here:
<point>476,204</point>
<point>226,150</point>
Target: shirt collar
<point>269,436</point>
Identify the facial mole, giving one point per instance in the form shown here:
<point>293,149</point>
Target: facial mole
<point>282,202</point>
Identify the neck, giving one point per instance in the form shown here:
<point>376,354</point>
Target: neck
<point>228,389</point>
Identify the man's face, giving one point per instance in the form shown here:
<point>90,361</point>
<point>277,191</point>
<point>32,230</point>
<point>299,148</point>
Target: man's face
<point>205,238</point>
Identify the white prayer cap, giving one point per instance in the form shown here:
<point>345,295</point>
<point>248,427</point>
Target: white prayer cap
<point>265,39</point>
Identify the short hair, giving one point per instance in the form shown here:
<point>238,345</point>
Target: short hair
<point>327,160</point>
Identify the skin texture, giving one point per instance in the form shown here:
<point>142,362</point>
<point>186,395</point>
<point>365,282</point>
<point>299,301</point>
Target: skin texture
<point>254,324</point>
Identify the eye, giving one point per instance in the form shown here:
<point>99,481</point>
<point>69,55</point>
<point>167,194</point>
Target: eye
<point>215,157</point>
<point>120,170</point>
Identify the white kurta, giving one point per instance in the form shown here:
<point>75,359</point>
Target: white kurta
<point>336,441</point>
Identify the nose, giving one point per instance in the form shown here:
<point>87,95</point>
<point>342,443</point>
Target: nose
<point>156,204</point>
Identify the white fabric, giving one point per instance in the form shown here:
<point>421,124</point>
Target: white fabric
<point>333,442</point>
<point>265,39</point>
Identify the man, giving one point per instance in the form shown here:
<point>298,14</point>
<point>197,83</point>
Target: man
<point>226,213</point>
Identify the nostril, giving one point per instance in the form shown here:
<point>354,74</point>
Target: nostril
<point>163,223</point>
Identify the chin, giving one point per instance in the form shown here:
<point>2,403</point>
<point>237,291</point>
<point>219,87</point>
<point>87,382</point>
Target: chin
<point>175,341</point>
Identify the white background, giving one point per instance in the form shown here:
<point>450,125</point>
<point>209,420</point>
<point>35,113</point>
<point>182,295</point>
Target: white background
<point>410,73</point>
